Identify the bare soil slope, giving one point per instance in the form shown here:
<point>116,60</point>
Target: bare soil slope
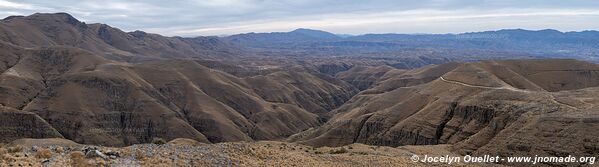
<point>93,100</point>
<point>510,107</point>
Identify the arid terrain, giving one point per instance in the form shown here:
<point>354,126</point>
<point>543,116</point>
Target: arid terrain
<point>79,94</point>
<point>186,152</point>
<point>489,107</point>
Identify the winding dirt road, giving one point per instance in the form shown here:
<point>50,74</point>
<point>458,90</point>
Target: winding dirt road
<point>505,88</point>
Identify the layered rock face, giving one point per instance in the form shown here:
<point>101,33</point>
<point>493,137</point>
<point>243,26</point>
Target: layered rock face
<point>510,107</point>
<point>16,124</point>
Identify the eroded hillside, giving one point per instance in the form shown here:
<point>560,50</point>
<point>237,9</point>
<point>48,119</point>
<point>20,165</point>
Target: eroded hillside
<point>90,99</point>
<point>506,107</point>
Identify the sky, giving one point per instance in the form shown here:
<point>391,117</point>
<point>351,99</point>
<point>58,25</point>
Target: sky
<point>226,17</point>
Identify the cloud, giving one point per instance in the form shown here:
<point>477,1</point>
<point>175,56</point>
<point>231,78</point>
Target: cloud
<point>217,17</point>
<point>410,21</point>
<point>14,5</point>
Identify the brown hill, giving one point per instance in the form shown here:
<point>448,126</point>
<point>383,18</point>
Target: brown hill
<point>44,30</point>
<point>90,99</point>
<point>362,77</point>
<point>484,108</point>
<point>316,93</point>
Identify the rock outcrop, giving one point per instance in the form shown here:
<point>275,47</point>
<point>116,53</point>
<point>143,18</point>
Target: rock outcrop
<point>16,124</point>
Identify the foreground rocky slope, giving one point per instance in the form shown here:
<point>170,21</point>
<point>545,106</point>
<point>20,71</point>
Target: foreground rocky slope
<point>524,107</point>
<point>186,152</point>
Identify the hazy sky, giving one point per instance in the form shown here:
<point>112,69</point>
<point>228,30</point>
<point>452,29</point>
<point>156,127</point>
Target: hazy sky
<point>220,17</point>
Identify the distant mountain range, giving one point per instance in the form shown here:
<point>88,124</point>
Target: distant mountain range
<point>582,45</point>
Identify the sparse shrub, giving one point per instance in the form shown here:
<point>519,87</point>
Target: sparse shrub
<point>158,141</point>
<point>350,147</point>
<point>139,155</point>
<point>15,149</point>
<point>77,159</point>
<point>2,152</point>
<point>362,153</point>
<point>100,162</point>
<point>43,153</point>
<point>338,151</point>
<point>59,150</point>
<point>317,152</point>
<point>125,152</point>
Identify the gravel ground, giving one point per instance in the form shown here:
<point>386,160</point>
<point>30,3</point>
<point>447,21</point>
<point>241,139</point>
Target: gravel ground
<point>184,152</point>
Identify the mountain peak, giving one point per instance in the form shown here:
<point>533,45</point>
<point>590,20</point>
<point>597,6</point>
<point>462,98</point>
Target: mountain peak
<point>61,16</point>
<point>306,30</point>
<point>11,17</point>
<point>519,30</point>
<point>315,33</point>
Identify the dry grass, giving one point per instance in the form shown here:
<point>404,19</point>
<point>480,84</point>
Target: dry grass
<point>2,152</point>
<point>77,159</point>
<point>140,155</point>
<point>99,162</point>
<point>15,149</point>
<point>264,153</point>
<point>59,150</point>
<point>158,141</point>
<point>338,151</point>
<point>43,153</point>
